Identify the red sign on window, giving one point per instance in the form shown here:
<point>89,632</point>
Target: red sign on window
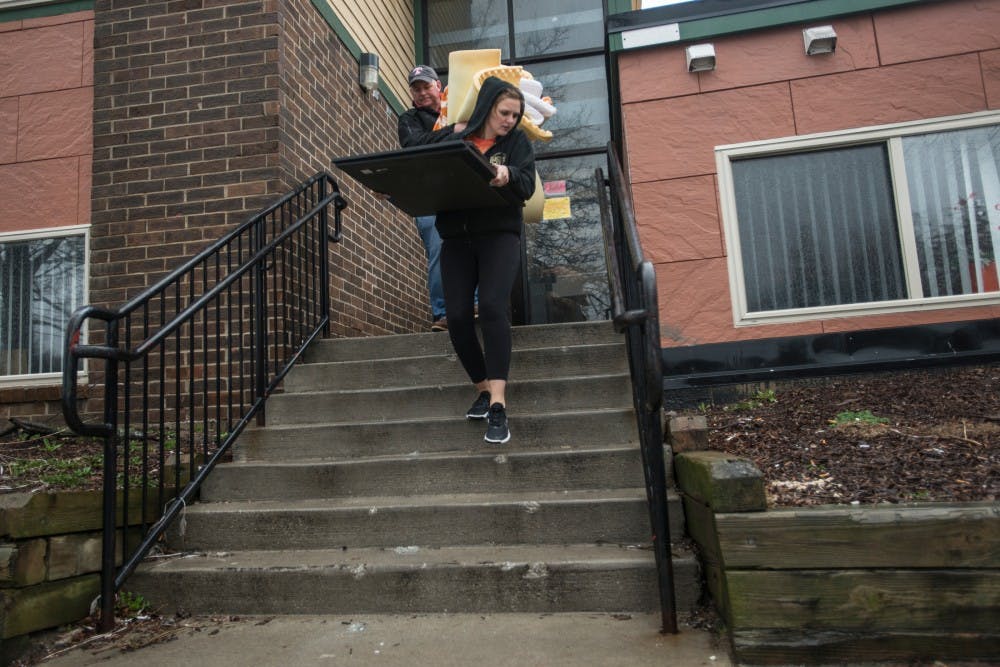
<point>553,188</point>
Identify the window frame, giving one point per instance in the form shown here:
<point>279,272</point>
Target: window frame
<point>47,379</point>
<point>892,136</point>
<point>21,4</point>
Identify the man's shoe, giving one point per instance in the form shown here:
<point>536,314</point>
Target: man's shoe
<point>440,324</point>
<point>497,430</point>
<point>480,408</point>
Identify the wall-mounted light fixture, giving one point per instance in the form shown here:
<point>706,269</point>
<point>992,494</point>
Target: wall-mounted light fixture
<point>821,39</point>
<point>368,72</point>
<point>700,57</point>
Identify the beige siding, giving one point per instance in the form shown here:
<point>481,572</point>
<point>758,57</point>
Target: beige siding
<point>384,27</point>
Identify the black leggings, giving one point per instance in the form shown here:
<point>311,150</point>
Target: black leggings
<point>491,263</point>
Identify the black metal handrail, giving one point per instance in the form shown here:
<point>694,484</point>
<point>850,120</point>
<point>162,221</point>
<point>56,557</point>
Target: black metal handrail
<point>635,312</point>
<point>192,360</point>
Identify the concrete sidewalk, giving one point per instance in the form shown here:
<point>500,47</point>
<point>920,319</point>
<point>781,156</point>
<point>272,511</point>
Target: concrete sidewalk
<point>439,640</point>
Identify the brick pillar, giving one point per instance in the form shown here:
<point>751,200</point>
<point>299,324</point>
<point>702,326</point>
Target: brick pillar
<point>379,274</point>
<point>205,111</point>
<point>185,133</point>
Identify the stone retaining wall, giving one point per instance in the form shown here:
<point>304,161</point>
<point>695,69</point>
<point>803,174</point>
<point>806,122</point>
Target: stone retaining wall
<point>839,583</point>
<point>50,561</point>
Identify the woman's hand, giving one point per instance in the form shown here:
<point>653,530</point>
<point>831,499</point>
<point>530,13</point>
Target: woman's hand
<point>502,178</point>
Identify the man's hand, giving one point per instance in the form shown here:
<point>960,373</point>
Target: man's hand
<point>460,126</point>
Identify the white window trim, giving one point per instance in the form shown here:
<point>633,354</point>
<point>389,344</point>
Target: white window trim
<point>45,233</point>
<point>48,379</point>
<point>16,4</point>
<point>892,135</point>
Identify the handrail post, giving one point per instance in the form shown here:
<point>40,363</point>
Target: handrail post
<point>260,319</point>
<point>635,313</point>
<point>110,500</point>
<point>322,239</point>
<point>654,405</point>
<point>240,263</point>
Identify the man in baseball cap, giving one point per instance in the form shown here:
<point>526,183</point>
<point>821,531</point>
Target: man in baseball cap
<point>416,127</point>
<point>423,73</point>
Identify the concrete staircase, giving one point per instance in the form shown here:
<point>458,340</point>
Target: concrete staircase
<point>369,491</point>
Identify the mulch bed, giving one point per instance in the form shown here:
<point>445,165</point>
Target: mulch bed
<point>36,457</point>
<point>928,435</point>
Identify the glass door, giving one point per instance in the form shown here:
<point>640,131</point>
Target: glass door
<point>563,276</point>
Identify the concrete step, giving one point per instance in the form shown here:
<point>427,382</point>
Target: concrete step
<point>444,368</point>
<point>423,344</point>
<point>369,491</point>
<point>493,470</point>
<point>489,579</point>
<point>291,442</point>
<point>604,516</point>
<point>447,400</point>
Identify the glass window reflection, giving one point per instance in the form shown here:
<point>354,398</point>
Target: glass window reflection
<point>567,276</point>
<point>955,198</point>
<point>579,90</point>
<point>544,27</point>
<point>459,25</point>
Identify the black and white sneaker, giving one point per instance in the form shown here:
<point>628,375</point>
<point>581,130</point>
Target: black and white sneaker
<point>497,430</point>
<point>480,408</point>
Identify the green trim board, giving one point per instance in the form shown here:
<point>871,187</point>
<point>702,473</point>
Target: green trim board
<point>326,11</point>
<point>745,19</point>
<point>619,6</point>
<point>42,10</point>
<point>418,31</point>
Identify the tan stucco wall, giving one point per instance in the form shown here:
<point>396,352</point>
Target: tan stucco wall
<point>384,27</point>
<point>46,112</point>
<point>892,66</point>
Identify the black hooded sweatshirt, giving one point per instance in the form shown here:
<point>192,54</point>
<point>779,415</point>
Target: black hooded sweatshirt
<point>513,150</point>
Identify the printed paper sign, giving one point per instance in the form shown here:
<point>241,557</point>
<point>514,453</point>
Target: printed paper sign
<point>556,208</point>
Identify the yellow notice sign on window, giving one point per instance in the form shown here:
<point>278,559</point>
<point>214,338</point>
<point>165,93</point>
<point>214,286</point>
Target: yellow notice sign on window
<point>556,208</point>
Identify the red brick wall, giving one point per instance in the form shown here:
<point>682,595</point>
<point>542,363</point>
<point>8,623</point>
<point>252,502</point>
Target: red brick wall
<point>205,112</point>
<point>890,66</point>
<point>185,133</point>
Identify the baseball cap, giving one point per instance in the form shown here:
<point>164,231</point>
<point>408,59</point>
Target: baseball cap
<point>422,73</point>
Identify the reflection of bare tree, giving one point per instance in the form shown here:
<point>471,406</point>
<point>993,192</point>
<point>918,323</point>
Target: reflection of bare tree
<point>952,181</point>
<point>573,126</point>
<point>474,21</point>
<point>539,42</point>
<point>570,253</point>
<point>37,302</point>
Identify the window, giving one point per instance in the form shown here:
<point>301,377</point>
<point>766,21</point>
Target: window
<point>545,27</point>
<point>460,25</point>
<point>43,280</point>
<point>567,276</point>
<point>580,91</point>
<point>541,28</point>
<point>562,45</point>
<point>879,220</point>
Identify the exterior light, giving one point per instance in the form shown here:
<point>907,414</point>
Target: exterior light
<point>822,39</point>
<point>368,72</point>
<point>700,57</point>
